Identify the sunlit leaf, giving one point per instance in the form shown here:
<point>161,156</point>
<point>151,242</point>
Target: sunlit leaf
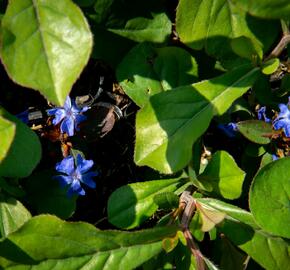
<point>146,71</point>
<point>45,45</point>
<point>266,8</point>
<point>222,176</point>
<point>270,193</point>
<point>7,133</point>
<point>46,242</point>
<point>25,150</point>
<point>12,215</point>
<point>130,205</point>
<point>172,121</point>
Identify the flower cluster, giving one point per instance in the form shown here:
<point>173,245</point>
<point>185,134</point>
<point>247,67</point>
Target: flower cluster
<point>69,116</point>
<point>282,121</point>
<point>75,175</point>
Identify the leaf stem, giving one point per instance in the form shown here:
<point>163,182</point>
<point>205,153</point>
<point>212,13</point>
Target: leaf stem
<point>285,40</point>
<point>188,204</point>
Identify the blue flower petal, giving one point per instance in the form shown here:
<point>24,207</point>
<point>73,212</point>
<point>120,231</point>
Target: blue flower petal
<point>284,111</point>
<point>87,179</point>
<point>64,180</point>
<point>83,165</point>
<point>76,188</point>
<point>67,104</point>
<point>66,165</point>
<point>67,126</point>
<point>23,116</point>
<point>278,124</point>
<point>59,115</point>
<point>287,130</point>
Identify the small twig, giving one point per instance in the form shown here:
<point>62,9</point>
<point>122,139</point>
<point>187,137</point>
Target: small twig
<point>285,40</point>
<point>188,204</point>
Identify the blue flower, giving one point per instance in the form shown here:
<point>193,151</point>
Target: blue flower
<point>229,129</point>
<point>75,175</point>
<point>262,115</point>
<point>69,115</point>
<point>283,120</point>
<point>23,116</point>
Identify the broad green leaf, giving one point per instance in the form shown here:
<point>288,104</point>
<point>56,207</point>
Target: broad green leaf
<point>122,23</point>
<point>210,217</point>
<point>12,215</point>
<point>222,176</point>
<point>270,66</point>
<point>146,71</point>
<point>46,196</point>
<point>256,131</point>
<point>195,226</point>
<point>239,226</point>
<point>230,257</point>
<point>271,252</point>
<point>212,24</point>
<point>45,45</point>
<point>278,9</point>
<point>245,48</point>
<point>166,200</point>
<point>25,150</point>
<point>172,121</point>
<point>7,133</point>
<point>130,205</point>
<point>266,159</point>
<point>13,189</point>
<point>233,212</point>
<point>270,197</point>
<point>46,242</point>
<point>142,29</point>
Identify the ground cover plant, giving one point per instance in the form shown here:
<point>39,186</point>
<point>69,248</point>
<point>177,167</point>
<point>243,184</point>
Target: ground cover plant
<point>144,134</point>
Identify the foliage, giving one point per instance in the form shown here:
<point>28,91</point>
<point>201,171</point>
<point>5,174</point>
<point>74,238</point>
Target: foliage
<point>203,84</point>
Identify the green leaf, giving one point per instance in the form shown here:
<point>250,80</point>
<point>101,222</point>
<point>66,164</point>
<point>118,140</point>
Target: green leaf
<point>155,29</point>
<point>146,71</point>
<point>48,53</point>
<point>210,217</point>
<point>256,131</point>
<point>245,48</point>
<point>212,24</point>
<point>172,121</point>
<point>233,212</point>
<point>12,189</point>
<point>278,9</point>
<point>45,195</point>
<point>270,66</point>
<point>166,200</point>
<point>12,215</point>
<point>46,241</point>
<point>222,176</point>
<point>25,150</point>
<point>130,205</point>
<point>7,133</point>
<point>122,23</point>
<point>269,251</point>
<point>230,256</point>
<point>270,196</point>
<point>239,226</point>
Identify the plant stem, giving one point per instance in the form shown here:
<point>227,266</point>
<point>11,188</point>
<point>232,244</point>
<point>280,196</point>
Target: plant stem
<point>188,204</point>
<point>285,40</point>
